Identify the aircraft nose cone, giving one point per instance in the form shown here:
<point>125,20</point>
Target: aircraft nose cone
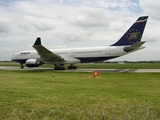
<point>13,57</point>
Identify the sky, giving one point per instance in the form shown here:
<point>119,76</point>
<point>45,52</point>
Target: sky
<point>76,23</point>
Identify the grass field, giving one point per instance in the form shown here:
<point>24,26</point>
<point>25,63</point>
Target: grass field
<point>33,95</point>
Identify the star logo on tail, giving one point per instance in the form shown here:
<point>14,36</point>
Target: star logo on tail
<point>133,36</point>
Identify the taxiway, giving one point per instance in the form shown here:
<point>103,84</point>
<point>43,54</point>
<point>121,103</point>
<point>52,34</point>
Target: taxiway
<point>86,70</point>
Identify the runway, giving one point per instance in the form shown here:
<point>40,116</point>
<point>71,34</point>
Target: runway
<point>86,70</point>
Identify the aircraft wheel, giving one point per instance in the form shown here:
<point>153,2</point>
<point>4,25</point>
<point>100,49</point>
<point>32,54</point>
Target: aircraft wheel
<point>72,67</point>
<point>56,68</point>
<point>62,68</point>
<point>69,67</point>
<point>59,68</point>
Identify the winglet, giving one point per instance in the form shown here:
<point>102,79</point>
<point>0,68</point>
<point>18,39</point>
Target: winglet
<point>38,41</point>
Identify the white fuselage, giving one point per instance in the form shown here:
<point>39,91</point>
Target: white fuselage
<point>76,55</point>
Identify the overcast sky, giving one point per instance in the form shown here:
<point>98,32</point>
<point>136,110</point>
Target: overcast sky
<point>76,23</point>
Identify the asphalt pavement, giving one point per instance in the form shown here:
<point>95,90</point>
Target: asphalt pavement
<point>85,70</point>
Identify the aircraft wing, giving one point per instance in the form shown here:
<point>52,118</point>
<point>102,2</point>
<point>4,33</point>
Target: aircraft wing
<point>46,55</point>
<point>134,46</point>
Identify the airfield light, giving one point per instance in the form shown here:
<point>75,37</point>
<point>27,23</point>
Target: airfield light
<point>95,73</point>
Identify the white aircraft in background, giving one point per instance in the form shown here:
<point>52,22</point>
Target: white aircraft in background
<point>129,42</point>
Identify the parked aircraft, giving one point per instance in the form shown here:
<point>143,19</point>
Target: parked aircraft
<point>129,42</point>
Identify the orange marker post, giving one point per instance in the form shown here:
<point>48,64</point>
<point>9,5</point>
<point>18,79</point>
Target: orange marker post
<point>95,73</point>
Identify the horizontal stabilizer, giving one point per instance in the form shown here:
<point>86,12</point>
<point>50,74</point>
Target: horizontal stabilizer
<point>134,46</point>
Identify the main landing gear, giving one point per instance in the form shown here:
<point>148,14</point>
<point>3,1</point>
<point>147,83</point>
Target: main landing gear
<point>61,67</point>
<point>72,67</point>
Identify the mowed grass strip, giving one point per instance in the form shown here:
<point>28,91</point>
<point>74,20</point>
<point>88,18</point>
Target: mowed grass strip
<point>120,66</point>
<point>78,91</point>
<point>98,65</point>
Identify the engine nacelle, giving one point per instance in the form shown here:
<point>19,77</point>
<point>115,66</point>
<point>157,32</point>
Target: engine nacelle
<point>33,63</point>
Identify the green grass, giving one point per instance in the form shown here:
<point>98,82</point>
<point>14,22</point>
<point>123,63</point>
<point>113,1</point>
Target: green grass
<point>100,65</point>
<point>9,64</point>
<point>77,92</point>
<point>121,66</point>
<point>114,66</point>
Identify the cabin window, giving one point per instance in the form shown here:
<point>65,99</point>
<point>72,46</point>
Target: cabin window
<point>24,53</point>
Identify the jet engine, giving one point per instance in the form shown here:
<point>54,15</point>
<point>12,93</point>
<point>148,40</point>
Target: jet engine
<point>33,63</point>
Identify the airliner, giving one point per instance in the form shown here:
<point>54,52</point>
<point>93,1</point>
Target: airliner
<point>129,42</point>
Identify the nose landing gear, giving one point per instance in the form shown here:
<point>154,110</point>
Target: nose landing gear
<point>21,65</point>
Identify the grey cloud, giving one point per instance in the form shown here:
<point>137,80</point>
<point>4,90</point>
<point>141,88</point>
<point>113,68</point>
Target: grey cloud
<point>115,5</point>
<point>39,25</point>
<point>73,36</point>
<point>151,38</point>
<point>43,25</point>
<point>107,4</point>
<point>86,21</point>
<point>151,8</point>
<point>5,25</point>
<point>91,17</point>
<point>25,25</point>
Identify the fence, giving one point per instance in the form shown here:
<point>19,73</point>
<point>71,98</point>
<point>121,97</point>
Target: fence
<point>107,113</point>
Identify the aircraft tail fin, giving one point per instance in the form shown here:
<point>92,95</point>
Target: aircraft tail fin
<point>134,33</point>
